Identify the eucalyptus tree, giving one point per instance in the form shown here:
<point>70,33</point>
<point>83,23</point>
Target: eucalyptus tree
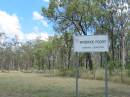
<point>63,47</point>
<point>119,27</point>
<point>26,53</point>
<point>79,16</point>
<point>43,54</point>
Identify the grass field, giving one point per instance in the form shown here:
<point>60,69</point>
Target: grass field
<point>38,85</point>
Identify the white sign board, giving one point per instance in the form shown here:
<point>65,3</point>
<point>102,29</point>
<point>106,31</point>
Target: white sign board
<point>95,43</point>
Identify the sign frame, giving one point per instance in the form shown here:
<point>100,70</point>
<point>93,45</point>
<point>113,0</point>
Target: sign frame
<point>93,43</point>
<point>92,46</point>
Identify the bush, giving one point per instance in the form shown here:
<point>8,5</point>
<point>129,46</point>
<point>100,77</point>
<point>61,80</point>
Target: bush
<point>128,69</point>
<point>67,72</point>
<point>112,66</point>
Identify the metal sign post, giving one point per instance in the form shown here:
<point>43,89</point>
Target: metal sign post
<point>77,75</point>
<point>106,76</point>
<point>77,80</point>
<point>106,80</point>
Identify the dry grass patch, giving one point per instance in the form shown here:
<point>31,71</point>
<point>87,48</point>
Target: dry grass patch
<point>37,85</point>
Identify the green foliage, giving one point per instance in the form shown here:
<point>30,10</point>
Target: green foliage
<point>74,15</point>
<point>79,16</point>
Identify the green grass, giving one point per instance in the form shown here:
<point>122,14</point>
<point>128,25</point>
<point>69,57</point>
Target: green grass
<point>38,85</point>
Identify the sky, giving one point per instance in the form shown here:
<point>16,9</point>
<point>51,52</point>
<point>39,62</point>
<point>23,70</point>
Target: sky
<point>21,19</point>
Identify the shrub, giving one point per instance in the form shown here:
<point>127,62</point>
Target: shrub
<point>111,67</point>
<point>128,69</point>
<point>67,72</point>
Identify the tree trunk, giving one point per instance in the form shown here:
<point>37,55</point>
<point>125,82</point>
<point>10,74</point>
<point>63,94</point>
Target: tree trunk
<point>89,62</point>
<point>49,63</point>
<point>101,60</point>
<point>112,40</point>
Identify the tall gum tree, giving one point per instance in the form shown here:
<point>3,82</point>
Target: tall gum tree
<point>76,15</point>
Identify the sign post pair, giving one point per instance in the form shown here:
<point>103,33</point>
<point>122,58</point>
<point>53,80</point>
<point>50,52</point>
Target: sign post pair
<point>95,43</point>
